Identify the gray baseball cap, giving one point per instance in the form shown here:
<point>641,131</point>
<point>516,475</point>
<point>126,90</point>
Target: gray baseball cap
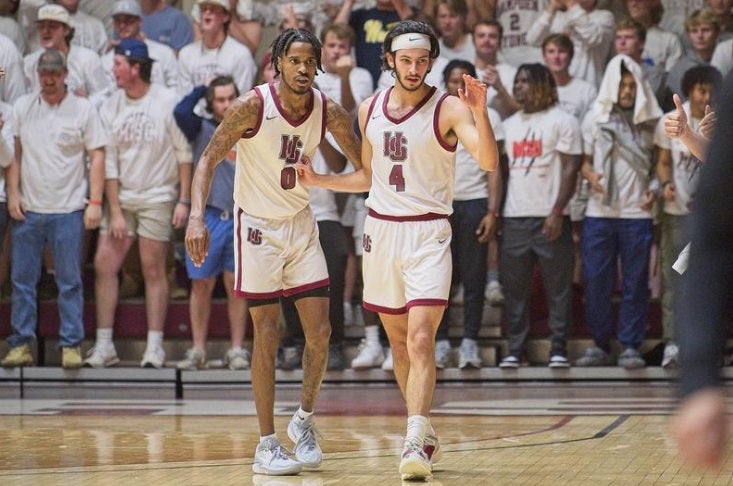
<point>51,60</point>
<point>127,7</point>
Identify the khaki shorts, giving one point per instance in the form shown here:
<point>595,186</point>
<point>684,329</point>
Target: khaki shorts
<point>153,221</point>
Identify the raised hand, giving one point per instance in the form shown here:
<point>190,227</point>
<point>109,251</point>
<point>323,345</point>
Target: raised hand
<point>473,93</point>
<point>707,124</point>
<point>675,123</point>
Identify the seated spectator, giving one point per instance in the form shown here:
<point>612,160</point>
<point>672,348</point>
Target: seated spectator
<point>166,24</point>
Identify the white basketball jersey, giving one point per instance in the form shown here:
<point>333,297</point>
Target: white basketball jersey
<point>265,183</point>
<point>413,167</point>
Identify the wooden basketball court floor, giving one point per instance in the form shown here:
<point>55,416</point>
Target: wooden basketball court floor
<point>492,433</point>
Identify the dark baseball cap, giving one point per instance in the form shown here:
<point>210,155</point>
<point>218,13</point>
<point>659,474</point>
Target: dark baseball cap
<point>51,60</point>
<point>134,49</point>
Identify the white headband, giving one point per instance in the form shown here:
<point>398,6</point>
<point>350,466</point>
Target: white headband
<point>411,41</point>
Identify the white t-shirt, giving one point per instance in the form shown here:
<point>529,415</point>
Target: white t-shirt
<point>10,28</point>
<point>471,182</point>
<point>517,18</point>
<point>145,147</point>
<point>55,140</point>
<point>662,47</point>
<point>197,64</point>
<point>685,166</point>
<point>359,79</point>
<point>7,145</point>
<point>577,97</point>
<point>466,51</point>
<point>534,143</point>
<point>723,56</point>
<point>85,72</point>
<point>165,67</point>
<point>592,34</point>
<point>13,85</point>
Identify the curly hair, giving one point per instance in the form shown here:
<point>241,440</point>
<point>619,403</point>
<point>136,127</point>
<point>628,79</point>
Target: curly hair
<point>281,44</point>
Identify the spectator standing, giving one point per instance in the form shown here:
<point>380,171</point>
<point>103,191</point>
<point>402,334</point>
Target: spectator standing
<point>127,21</point>
<point>166,24</point>
<point>544,153</point>
<point>148,179</point>
<point>86,76</point>
<point>591,30</point>
<point>89,31</point>
<point>52,210</point>
<point>661,48</point>
<point>219,95</point>
<point>678,171</point>
<point>217,53</point>
<point>474,222</point>
<point>451,24</point>
<point>12,83</point>
<point>618,163</point>
<point>516,18</point>
<point>497,75</point>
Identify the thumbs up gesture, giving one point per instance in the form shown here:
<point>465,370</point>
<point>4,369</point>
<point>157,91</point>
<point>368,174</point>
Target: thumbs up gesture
<point>707,124</point>
<point>675,124</point>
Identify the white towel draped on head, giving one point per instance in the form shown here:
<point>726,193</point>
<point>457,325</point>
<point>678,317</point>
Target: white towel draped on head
<point>646,107</point>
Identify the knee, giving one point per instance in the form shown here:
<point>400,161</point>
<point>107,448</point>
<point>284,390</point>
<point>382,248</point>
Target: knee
<point>421,344</point>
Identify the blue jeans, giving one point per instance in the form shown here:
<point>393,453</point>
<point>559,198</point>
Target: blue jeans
<point>603,242</point>
<point>64,235</point>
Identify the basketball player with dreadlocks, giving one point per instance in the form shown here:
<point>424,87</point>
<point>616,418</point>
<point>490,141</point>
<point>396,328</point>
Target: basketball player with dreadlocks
<point>277,252</point>
<point>410,132</point>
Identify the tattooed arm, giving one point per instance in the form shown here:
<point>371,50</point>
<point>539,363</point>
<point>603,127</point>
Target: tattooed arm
<point>239,118</point>
<point>340,125</point>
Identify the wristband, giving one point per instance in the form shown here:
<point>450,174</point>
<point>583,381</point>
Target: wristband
<point>492,212</point>
<point>95,202</point>
<point>184,200</point>
<point>557,212</point>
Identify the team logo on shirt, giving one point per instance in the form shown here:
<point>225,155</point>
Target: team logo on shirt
<point>395,146</point>
<point>290,148</point>
<point>525,152</point>
<point>254,236</point>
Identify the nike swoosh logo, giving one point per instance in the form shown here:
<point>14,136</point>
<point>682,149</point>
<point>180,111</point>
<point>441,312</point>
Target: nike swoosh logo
<point>443,240</point>
<point>412,39</point>
<point>375,117</point>
<point>270,117</point>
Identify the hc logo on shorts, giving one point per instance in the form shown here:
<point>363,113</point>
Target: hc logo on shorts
<point>395,146</point>
<point>366,243</point>
<point>254,236</point>
<point>290,148</point>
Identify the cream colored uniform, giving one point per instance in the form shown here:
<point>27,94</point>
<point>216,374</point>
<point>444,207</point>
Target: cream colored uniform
<point>276,246</point>
<point>406,244</point>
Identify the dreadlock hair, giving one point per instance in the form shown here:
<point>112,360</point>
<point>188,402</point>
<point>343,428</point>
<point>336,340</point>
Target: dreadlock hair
<point>282,43</point>
<point>542,88</point>
<point>458,64</point>
<point>409,27</point>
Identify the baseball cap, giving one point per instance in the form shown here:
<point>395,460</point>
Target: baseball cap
<point>54,12</point>
<point>133,49</point>
<point>222,3</point>
<point>127,7</point>
<point>51,60</point>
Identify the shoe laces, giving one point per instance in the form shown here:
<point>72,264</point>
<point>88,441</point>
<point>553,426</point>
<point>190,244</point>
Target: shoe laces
<point>308,434</point>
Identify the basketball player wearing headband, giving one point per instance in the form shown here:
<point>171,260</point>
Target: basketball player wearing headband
<point>410,132</point>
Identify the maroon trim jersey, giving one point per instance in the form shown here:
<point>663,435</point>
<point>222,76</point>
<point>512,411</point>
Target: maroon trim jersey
<point>265,182</point>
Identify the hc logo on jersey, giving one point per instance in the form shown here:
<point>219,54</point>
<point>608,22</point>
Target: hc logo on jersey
<point>366,243</point>
<point>395,146</point>
<point>254,236</point>
<point>290,148</point>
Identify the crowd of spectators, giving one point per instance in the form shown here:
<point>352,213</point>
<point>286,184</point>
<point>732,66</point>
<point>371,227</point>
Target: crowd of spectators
<point>611,67</point>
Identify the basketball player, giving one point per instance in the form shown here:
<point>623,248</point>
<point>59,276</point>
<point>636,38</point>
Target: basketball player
<point>409,134</point>
<point>277,252</point>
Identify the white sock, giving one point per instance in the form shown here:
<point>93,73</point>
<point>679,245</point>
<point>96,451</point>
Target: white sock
<point>417,426</point>
<point>155,339</point>
<point>104,337</point>
<point>302,414</point>
<point>265,437</point>
<point>371,333</point>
